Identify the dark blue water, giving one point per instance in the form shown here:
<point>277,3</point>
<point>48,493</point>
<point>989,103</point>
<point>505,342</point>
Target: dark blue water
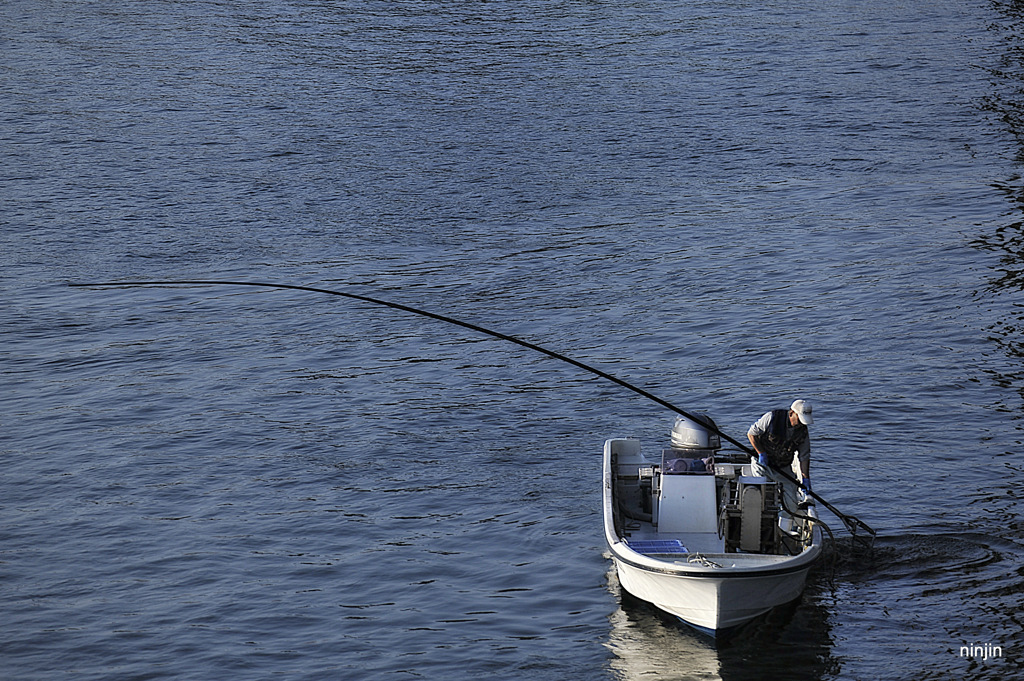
<point>728,204</point>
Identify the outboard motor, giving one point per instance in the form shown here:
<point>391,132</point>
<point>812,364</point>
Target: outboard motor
<point>694,445</point>
<point>695,437</point>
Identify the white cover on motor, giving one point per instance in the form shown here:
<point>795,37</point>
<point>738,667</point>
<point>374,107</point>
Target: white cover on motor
<point>690,434</point>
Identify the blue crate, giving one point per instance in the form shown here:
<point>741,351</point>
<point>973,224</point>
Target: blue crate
<point>656,546</point>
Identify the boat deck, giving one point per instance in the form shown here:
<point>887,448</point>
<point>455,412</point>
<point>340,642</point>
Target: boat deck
<point>673,517</point>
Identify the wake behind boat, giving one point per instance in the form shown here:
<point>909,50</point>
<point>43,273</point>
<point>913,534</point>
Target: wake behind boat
<point>700,537</point>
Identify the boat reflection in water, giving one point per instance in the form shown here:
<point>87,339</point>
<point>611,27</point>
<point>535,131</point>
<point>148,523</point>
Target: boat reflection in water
<point>647,645</point>
<point>790,642</point>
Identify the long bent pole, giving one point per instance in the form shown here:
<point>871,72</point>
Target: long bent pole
<point>852,523</point>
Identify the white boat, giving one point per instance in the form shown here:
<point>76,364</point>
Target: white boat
<point>699,536</point>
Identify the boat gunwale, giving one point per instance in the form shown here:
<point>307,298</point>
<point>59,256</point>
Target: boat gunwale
<point>801,561</point>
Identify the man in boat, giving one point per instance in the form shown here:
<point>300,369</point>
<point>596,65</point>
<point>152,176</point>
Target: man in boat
<point>779,438</point>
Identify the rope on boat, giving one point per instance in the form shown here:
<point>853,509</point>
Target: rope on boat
<point>702,560</point>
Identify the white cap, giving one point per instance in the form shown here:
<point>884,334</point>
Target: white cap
<point>803,410</point>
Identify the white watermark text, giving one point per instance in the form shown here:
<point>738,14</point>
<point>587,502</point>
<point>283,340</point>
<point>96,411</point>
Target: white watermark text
<point>981,651</point>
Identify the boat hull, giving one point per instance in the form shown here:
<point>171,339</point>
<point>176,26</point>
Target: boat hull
<point>711,604</point>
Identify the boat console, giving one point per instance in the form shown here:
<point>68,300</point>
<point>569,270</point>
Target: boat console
<point>686,500</point>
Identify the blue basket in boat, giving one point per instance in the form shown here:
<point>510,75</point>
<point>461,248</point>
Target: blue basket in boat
<point>656,546</point>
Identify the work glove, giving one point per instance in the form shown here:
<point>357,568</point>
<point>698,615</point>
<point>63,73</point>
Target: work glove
<point>762,459</point>
<point>807,484</point>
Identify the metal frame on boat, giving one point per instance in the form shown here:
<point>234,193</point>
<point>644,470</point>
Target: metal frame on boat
<point>698,536</point>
